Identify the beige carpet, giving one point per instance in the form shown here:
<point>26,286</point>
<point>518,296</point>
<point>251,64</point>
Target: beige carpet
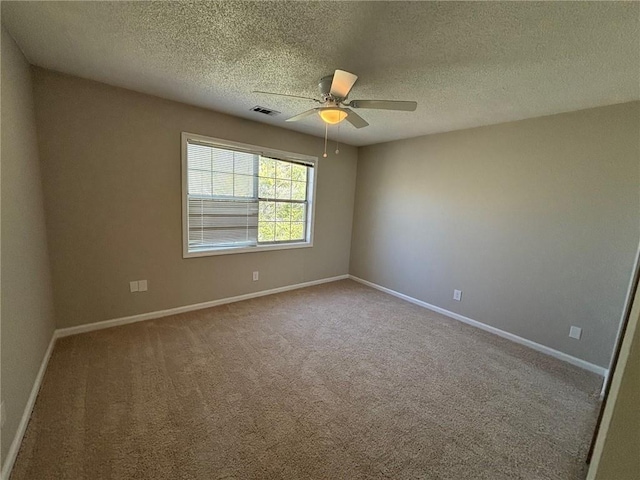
<point>337,381</point>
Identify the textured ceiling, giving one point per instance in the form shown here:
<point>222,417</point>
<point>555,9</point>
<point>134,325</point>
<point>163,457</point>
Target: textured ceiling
<point>467,64</point>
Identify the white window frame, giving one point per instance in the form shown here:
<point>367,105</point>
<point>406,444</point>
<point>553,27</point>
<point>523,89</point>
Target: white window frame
<point>258,150</point>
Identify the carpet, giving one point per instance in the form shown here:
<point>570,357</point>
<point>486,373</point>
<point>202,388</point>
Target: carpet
<point>336,381</point>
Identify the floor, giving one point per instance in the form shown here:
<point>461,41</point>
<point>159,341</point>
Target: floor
<point>337,381</point>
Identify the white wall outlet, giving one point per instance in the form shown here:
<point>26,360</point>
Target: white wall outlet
<point>3,415</point>
<point>256,276</point>
<point>575,332</point>
<point>142,286</point>
<point>133,286</point>
<point>457,295</point>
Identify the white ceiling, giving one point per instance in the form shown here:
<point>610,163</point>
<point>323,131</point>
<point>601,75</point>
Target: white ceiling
<point>467,64</point>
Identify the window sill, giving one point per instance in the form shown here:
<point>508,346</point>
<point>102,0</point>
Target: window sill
<point>235,250</point>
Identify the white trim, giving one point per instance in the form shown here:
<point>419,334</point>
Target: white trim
<point>628,304</point>
<point>605,379</point>
<point>250,148</point>
<point>253,249</point>
<point>26,415</point>
<point>619,375</point>
<point>65,332</point>
<point>501,333</point>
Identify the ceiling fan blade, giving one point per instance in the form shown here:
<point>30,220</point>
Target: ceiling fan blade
<point>354,119</point>
<point>385,105</point>
<point>342,83</point>
<point>302,115</point>
<point>286,95</point>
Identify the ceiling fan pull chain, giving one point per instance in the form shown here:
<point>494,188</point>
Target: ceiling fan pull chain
<point>337,141</point>
<point>326,128</point>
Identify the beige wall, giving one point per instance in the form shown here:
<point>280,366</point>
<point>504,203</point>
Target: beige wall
<point>536,221</point>
<point>111,164</point>
<point>27,306</point>
<point>617,452</point>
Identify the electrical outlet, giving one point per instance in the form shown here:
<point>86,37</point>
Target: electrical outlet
<point>256,276</point>
<point>3,415</point>
<point>457,295</point>
<point>142,286</point>
<point>133,286</point>
<point>575,332</point>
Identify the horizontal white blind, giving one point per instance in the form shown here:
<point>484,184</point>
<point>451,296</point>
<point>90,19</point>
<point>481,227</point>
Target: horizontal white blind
<point>222,197</point>
<point>222,222</point>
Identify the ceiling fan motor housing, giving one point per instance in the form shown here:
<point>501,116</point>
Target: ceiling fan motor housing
<point>325,86</point>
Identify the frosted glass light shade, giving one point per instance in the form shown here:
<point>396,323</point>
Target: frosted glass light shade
<point>332,115</point>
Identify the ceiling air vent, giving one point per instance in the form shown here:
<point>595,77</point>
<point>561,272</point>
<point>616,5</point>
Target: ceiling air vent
<point>266,111</point>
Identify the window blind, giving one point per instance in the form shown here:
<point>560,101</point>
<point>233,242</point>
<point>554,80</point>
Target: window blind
<point>222,197</point>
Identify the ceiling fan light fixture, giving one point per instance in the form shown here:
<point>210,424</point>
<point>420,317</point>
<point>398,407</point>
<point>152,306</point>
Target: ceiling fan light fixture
<point>332,115</point>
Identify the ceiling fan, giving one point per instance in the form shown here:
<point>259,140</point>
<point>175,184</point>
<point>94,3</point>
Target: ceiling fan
<point>334,108</point>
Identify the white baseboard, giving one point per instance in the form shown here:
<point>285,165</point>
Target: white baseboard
<point>604,384</point>
<point>65,332</point>
<point>26,415</point>
<point>603,372</point>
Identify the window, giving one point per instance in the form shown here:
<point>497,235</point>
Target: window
<point>241,198</point>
